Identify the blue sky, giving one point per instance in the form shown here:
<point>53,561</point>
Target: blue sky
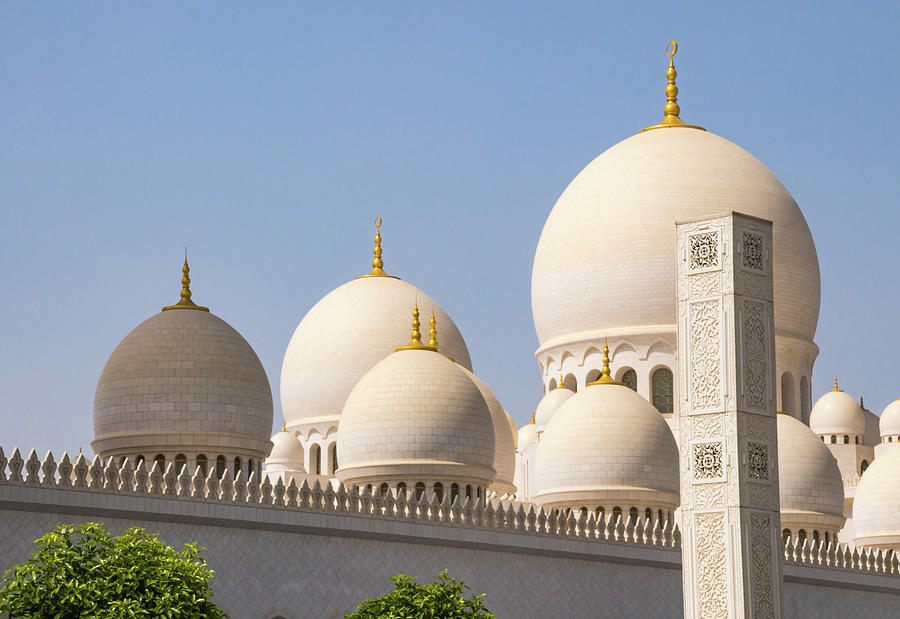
<point>267,138</point>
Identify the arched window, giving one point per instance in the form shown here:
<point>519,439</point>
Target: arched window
<point>785,535</point>
<point>383,489</point>
<point>599,513</point>
<point>220,466</point>
<point>570,382</point>
<point>478,492</point>
<point>592,376</point>
<point>648,513</point>
<point>833,439</point>
<point>804,399</point>
<point>161,461</point>
<point>863,466</point>
<point>250,470</point>
<point>420,490</point>
<point>826,538</point>
<point>846,439</point>
<point>659,515</point>
<point>439,491</point>
<point>617,513</point>
<point>138,460</point>
<point>401,489</point>
<point>662,390</point>
<point>237,466</point>
<point>468,491</point>
<point>201,462</point>
<point>454,492</point>
<point>801,536</point>
<point>632,515</point>
<point>788,394</point>
<point>816,536</point>
<point>857,439</point>
<point>552,385</point>
<point>332,459</point>
<point>315,459</point>
<point>629,377</point>
<point>180,463</point>
<point>823,439</point>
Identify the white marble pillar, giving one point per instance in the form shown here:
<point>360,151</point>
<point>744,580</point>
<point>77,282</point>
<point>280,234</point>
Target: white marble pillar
<point>731,537</point>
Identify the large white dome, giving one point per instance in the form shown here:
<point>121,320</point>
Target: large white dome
<point>876,508</point>
<point>504,439</point>
<point>607,444</point>
<point>606,257</point>
<point>836,412</point>
<point>415,416</point>
<point>183,381</point>
<point>344,335</point>
<point>810,484</point>
<point>890,422</point>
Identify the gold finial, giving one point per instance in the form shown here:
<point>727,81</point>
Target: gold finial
<point>284,426</point>
<point>861,405</point>
<point>672,109</point>
<point>432,333</point>
<point>415,342</point>
<point>561,384</point>
<point>532,416</point>
<point>185,301</point>
<point>605,377</point>
<point>377,263</point>
<point>836,388</point>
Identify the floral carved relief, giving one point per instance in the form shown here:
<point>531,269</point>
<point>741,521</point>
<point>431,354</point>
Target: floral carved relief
<point>752,246</point>
<point>703,252</point>
<point>707,426</point>
<point>707,461</point>
<point>711,567</point>
<point>703,285</point>
<point>709,496</point>
<point>755,355</point>
<point>758,461</point>
<point>763,591</point>
<point>704,355</point>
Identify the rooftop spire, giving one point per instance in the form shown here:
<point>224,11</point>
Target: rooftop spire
<point>561,384</point>
<point>415,342</point>
<point>672,109</point>
<point>377,263</point>
<point>432,333</point>
<point>284,426</point>
<point>185,301</point>
<point>605,377</point>
<point>532,416</point>
<point>836,388</point>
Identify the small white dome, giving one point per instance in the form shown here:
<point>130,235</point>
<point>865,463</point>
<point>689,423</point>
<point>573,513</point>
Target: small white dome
<point>183,380</point>
<point>607,445</point>
<point>287,452</point>
<point>527,436</point>
<point>550,403</point>
<point>890,420</point>
<point>416,415</point>
<point>810,483</point>
<point>837,412</point>
<point>504,440</point>
<point>876,508</point>
<point>344,335</point>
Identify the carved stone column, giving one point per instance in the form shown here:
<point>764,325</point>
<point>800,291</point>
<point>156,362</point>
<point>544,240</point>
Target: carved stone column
<point>731,535</point>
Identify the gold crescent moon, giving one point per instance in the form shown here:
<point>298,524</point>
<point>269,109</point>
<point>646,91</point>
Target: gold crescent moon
<point>674,45</point>
<point>378,222</point>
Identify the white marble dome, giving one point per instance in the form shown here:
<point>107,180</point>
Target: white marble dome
<point>890,421</point>
<point>550,403</point>
<point>607,446</point>
<point>876,508</point>
<point>606,256</point>
<point>504,440</point>
<point>416,416</point>
<point>527,436</point>
<point>836,412</point>
<point>811,489</point>
<point>344,335</point>
<point>183,381</point>
<point>287,452</point>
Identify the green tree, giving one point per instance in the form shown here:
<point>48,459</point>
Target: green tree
<point>83,571</point>
<point>442,599</point>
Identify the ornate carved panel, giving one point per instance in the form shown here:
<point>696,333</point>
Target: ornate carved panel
<point>711,573</point>
<point>756,367</point>
<point>703,251</point>
<point>705,357</point>
<point>709,496</point>
<point>752,246</point>
<point>703,285</point>
<point>763,594</point>
<point>707,426</point>
<point>757,461</point>
<point>708,462</point>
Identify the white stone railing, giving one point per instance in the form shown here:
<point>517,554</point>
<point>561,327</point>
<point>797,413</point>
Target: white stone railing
<point>841,556</point>
<point>506,515</point>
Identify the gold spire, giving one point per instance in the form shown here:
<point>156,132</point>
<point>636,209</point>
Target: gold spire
<point>185,302</point>
<point>284,426</point>
<point>432,333</point>
<point>532,416</point>
<point>377,263</point>
<point>415,342</point>
<point>861,405</point>
<point>836,388</point>
<point>672,110</point>
<point>605,378</point>
<point>561,384</point>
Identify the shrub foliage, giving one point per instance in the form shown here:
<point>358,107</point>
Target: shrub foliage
<point>442,599</point>
<point>83,571</point>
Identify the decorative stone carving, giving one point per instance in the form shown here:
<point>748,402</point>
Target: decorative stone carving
<point>707,426</point>
<point>703,252</point>
<point>752,250</point>
<point>757,461</point>
<point>704,285</point>
<point>755,355</point>
<point>761,566</point>
<point>705,355</point>
<point>707,461</point>
<point>711,565</point>
<point>709,496</point>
